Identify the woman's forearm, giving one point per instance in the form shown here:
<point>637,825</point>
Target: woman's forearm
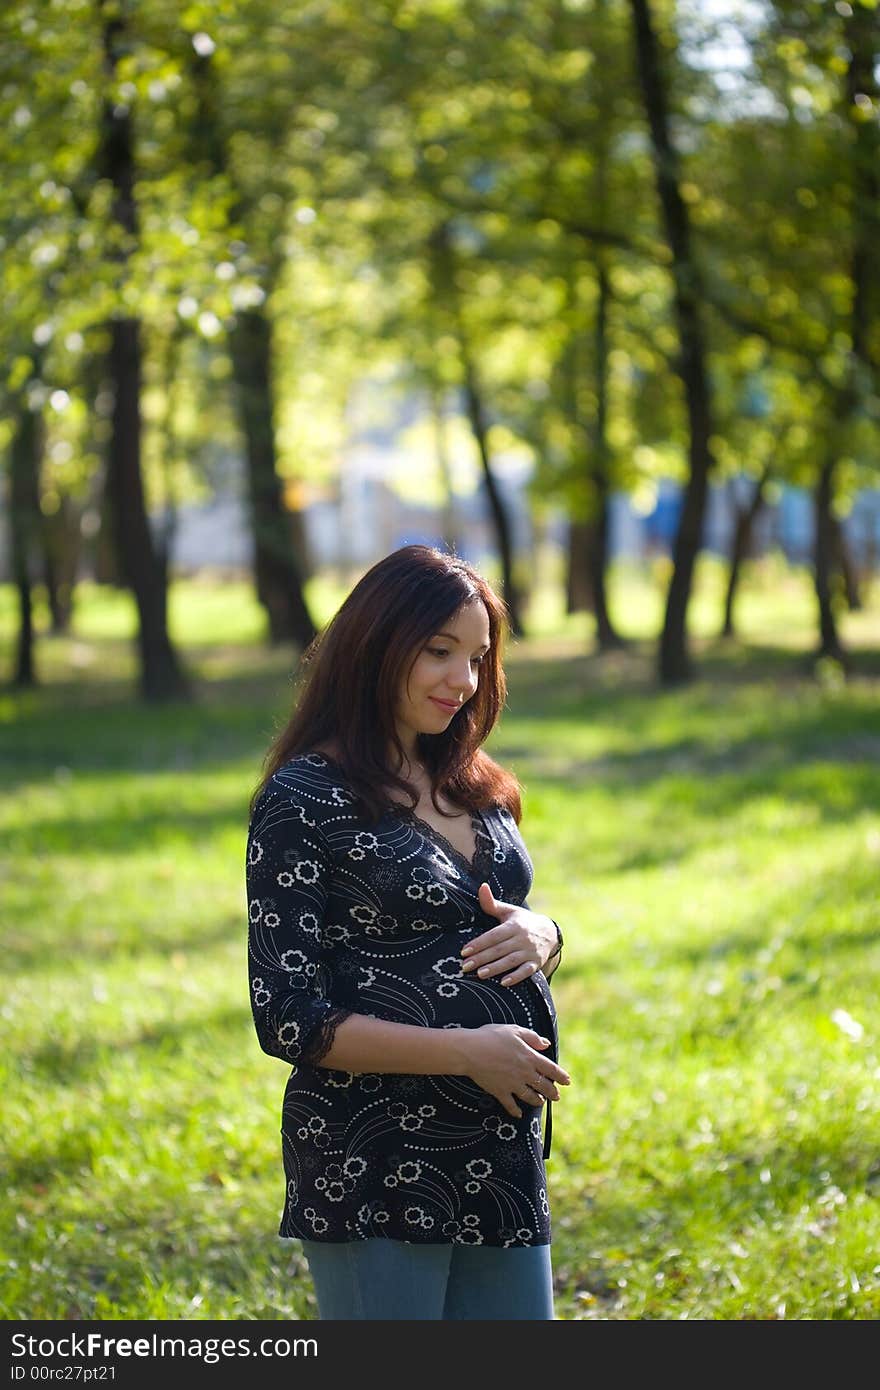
<point>362,1044</point>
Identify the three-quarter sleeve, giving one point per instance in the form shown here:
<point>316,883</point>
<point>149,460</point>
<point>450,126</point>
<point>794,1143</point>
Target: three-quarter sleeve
<point>288,871</point>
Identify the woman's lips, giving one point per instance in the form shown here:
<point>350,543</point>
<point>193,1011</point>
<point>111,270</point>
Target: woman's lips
<point>448,705</point>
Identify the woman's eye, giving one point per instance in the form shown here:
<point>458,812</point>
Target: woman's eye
<point>444,651</point>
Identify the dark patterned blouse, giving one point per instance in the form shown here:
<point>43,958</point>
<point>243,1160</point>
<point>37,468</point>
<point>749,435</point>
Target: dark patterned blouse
<point>350,917</point>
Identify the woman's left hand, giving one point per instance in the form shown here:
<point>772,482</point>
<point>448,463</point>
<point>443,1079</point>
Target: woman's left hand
<point>520,945</point>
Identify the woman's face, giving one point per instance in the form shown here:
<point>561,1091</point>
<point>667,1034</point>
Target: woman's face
<point>444,675</point>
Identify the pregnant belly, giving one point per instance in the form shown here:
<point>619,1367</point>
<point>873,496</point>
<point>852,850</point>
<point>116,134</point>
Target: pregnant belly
<point>438,995</point>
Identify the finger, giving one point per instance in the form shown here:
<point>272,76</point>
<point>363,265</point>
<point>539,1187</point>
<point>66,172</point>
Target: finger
<point>523,972</point>
<point>546,1088</point>
<point>495,907</point>
<point>487,940</point>
<point>489,937</point>
<point>500,964</point>
<point>512,1109</point>
<point>486,898</point>
<point>531,1095</point>
<point>502,953</point>
<point>554,1073</point>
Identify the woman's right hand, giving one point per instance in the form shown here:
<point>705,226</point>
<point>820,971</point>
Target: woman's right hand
<point>506,1060</point>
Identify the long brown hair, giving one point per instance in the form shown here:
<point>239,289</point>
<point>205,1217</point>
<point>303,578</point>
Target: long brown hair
<point>351,673</point>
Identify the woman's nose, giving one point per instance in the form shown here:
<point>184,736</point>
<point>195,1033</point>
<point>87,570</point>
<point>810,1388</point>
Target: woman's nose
<point>465,678</point>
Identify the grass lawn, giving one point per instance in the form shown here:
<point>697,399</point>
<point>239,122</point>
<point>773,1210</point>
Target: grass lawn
<point>713,855</point>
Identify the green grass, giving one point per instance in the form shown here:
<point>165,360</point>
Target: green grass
<point>713,855</point>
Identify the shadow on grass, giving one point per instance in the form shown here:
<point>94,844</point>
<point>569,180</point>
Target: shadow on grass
<point>128,832</point>
<point>65,1065</point>
<point>91,1060</point>
<point>168,1262</point>
<point>39,947</point>
<point>69,728</point>
<point>817,754</point>
<point>813,930</point>
<point>92,727</point>
<point>631,671</point>
<point>214,1244</point>
<point>779,1186</point>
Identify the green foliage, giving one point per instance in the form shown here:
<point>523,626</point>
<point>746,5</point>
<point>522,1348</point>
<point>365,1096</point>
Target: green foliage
<point>303,160</point>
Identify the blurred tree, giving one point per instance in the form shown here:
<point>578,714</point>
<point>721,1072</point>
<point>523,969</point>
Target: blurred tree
<point>458,201</point>
<point>39,218</point>
<point>793,208</point>
<point>744,517</point>
<point>26,457</point>
<point>674,663</point>
<point>445,287</point>
<point>851,357</point>
<point>236,106</point>
<point>861,388</point>
<point>143,564</point>
<point>593,533</point>
<point>481,116</point>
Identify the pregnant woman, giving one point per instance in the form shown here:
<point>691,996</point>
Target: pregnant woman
<point>395,965</point>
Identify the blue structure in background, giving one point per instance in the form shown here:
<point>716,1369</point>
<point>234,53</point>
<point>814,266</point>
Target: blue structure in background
<point>794,524</point>
<point>787,523</point>
<point>660,526</point>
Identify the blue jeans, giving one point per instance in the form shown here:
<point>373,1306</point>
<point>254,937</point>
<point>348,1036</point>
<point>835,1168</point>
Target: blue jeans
<point>392,1279</point>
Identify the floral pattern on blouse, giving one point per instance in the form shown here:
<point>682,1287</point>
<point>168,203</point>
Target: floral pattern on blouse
<point>347,917</point>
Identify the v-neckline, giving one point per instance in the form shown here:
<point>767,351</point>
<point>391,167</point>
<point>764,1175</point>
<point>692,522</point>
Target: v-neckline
<point>479,825</point>
<point>430,832</point>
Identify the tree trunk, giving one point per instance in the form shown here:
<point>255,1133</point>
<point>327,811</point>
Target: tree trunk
<point>279,582</point>
<point>674,663</point>
<point>280,552</point>
<point>844,562</point>
<point>742,535</point>
<point>829,640</point>
<point>497,506</point>
<point>142,569</point>
<point>106,560</point>
<point>442,262</point>
<point>61,548</point>
<point>606,636</point>
<point>299,536</point>
<point>578,586</point>
<point>861,82</point>
<point>441,445</point>
<point>161,677</point>
<point>24,517</point>
<point>863,41</point>
<point>586,589</point>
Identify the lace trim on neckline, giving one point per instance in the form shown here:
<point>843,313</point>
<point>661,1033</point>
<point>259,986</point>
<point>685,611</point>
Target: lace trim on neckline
<point>484,846</point>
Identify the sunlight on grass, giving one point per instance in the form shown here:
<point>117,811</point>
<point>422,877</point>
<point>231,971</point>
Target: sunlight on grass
<point>713,856</point>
